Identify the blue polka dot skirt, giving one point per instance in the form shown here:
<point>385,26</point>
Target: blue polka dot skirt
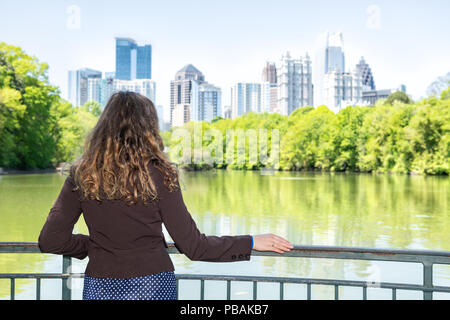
<point>159,286</point>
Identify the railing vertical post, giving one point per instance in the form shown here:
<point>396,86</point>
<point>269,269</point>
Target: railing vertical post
<point>67,282</point>
<point>427,279</point>
<point>308,291</point>
<point>38,288</point>
<point>202,289</point>
<point>255,290</point>
<point>13,288</point>
<point>281,290</point>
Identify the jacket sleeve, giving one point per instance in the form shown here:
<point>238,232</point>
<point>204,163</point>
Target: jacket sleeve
<point>188,239</point>
<point>56,234</point>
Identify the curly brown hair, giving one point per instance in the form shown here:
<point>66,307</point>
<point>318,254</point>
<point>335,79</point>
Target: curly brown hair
<point>114,164</point>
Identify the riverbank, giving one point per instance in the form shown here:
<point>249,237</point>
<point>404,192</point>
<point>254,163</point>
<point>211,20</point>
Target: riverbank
<point>209,168</point>
<point>61,167</point>
<point>312,170</point>
<point>31,171</point>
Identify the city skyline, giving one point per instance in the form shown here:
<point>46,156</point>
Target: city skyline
<point>397,48</point>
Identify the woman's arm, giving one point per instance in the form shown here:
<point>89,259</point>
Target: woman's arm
<point>188,239</point>
<point>56,234</point>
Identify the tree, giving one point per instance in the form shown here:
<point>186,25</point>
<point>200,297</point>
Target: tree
<point>92,107</point>
<point>37,127</point>
<point>26,124</point>
<point>400,97</point>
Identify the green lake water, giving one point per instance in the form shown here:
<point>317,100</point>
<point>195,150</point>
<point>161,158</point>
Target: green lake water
<point>381,211</point>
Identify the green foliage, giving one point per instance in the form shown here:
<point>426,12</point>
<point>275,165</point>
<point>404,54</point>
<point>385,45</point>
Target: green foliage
<point>410,138</point>
<point>38,129</point>
<point>398,96</point>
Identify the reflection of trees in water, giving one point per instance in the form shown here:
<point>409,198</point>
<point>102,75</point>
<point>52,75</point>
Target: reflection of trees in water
<point>329,209</point>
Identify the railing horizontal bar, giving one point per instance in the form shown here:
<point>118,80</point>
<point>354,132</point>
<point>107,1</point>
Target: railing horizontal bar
<point>331,282</point>
<point>427,257</point>
<point>332,252</point>
<point>40,275</point>
<point>345,283</point>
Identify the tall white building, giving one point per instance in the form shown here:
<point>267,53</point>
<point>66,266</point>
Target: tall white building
<point>245,97</point>
<point>295,88</point>
<point>206,102</point>
<point>329,57</point>
<point>94,89</point>
<point>160,113</point>
<point>84,86</point>
<point>146,87</point>
<point>266,97</point>
<point>181,87</point>
<point>342,90</point>
<point>181,114</point>
<point>269,88</point>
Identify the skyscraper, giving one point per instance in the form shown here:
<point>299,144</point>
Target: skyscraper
<point>206,102</point>
<point>269,73</point>
<point>245,97</point>
<point>144,62</point>
<point>180,114</point>
<point>107,85</point>
<point>133,61</point>
<point>160,113</point>
<point>181,89</point>
<point>295,88</point>
<point>145,87</point>
<point>84,86</point>
<point>269,88</point>
<point>342,89</point>
<point>334,53</point>
<point>366,75</point>
<point>329,57</point>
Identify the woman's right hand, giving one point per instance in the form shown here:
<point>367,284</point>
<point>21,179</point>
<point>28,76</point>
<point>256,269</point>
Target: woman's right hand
<point>271,242</point>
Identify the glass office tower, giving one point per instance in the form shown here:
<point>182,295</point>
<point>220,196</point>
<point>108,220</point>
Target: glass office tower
<point>334,53</point>
<point>133,61</point>
<point>144,62</point>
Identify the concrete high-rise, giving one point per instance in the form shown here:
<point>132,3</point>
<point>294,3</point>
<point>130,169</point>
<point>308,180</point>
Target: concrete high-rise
<point>245,97</point>
<point>269,73</point>
<point>334,53</point>
<point>145,87</point>
<point>133,61</point>
<point>342,90</point>
<point>329,57</point>
<point>295,88</point>
<point>181,114</point>
<point>84,85</point>
<point>181,89</point>
<point>206,102</point>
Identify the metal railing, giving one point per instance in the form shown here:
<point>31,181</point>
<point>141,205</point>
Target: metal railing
<point>427,258</point>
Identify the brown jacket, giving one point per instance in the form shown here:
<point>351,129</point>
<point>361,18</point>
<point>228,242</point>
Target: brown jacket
<point>127,241</point>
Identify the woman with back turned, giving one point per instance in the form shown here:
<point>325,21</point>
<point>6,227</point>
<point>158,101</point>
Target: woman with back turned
<point>126,188</point>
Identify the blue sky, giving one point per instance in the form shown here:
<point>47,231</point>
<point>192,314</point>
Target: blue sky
<point>229,41</point>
